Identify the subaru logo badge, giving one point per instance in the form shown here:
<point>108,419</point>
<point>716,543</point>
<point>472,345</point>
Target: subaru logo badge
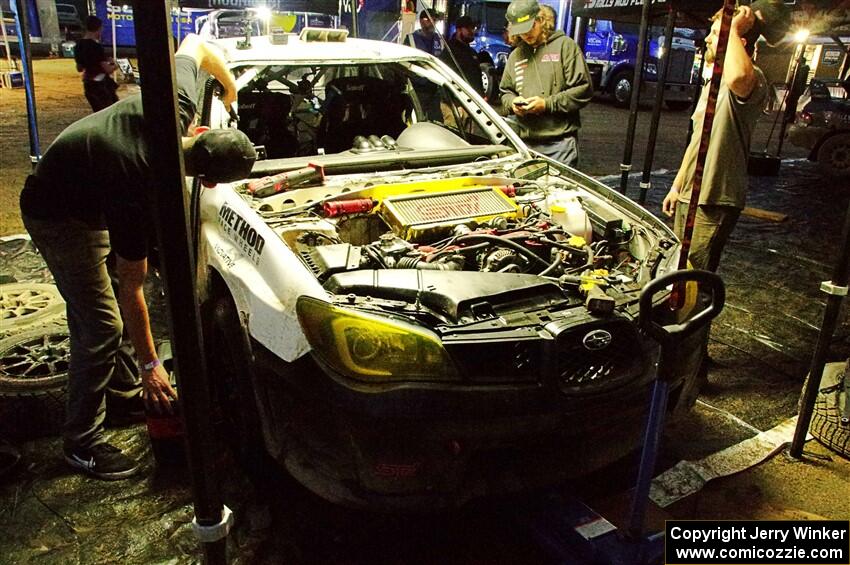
<point>597,339</point>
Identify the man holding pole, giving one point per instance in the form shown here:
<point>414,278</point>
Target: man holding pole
<point>742,95</point>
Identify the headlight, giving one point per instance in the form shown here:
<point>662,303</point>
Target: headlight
<point>372,348</point>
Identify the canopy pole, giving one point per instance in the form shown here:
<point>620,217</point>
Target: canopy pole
<point>162,136</point>
<point>656,108</point>
<point>114,39</point>
<point>19,9</point>
<point>836,290</point>
<point>354,30</point>
<point>11,63</point>
<point>626,165</point>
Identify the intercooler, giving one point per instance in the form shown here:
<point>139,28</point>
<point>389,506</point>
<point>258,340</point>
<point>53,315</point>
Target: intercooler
<point>420,217</point>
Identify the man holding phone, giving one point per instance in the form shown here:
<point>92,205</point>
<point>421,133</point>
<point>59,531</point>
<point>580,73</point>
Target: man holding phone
<point>546,82</point>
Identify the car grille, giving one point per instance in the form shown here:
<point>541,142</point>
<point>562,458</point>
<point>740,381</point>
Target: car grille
<point>498,361</point>
<point>581,369</point>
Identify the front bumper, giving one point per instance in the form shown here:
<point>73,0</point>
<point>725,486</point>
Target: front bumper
<point>428,446</point>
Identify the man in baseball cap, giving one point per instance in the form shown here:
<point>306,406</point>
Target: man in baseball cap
<point>546,82</point>
<point>86,206</point>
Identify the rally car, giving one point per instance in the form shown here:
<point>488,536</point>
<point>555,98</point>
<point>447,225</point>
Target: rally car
<point>406,307</point>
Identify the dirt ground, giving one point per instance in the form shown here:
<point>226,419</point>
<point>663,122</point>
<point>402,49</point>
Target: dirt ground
<point>761,346</point>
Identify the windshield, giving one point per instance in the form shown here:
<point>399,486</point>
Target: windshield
<point>298,110</point>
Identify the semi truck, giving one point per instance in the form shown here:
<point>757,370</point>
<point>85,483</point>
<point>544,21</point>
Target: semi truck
<point>610,49</point>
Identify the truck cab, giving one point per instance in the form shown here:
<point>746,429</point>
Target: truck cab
<point>610,49</point>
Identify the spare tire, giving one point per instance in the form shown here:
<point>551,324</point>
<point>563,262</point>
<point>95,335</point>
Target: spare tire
<point>24,304</point>
<point>34,362</point>
<point>827,426</point>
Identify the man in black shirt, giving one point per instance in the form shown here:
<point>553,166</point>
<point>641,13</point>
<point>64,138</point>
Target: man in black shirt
<point>96,67</point>
<point>461,57</point>
<point>88,197</point>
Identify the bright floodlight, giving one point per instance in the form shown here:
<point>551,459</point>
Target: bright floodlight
<point>801,35</point>
<point>264,13</point>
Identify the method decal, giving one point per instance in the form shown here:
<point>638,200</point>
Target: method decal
<point>246,237</point>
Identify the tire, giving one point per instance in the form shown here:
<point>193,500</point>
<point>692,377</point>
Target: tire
<point>34,362</point>
<point>26,304</point>
<point>231,378</point>
<point>826,424</point>
<point>678,105</point>
<point>834,155</point>
<point>621,88</point>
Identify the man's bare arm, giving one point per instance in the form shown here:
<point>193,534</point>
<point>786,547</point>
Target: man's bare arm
<point>211,61</point>
<point>738,67</point>
<point>156,388</point>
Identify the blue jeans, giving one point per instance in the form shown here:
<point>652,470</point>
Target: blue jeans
<point>564,150</point>
<point>101,361</point>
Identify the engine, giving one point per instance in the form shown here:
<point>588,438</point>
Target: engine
<point>548,232</point>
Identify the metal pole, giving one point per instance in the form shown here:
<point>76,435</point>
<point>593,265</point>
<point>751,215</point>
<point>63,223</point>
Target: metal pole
<point>659,100</point>
<point>795,89</point>
<point>626,165</point>
<point>114,40</point>
<point>6,43</point>
<point>19,9</point>
<point>163,140</point>
<point>836,289</point>
<point>354,31</point>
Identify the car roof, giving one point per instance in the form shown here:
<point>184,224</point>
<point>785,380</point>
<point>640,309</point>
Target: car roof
<point>296,51</point>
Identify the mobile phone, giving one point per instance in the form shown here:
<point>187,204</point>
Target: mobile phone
<point>522,104</point>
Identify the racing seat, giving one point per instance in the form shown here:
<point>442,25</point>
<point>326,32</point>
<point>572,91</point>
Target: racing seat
<point>361,106</point>
<point>264,118</point>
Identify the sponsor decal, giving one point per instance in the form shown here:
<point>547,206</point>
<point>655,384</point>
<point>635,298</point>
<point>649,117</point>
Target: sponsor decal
<point>242,233</point>
<point>617,3</point>
<point>551,58</point>
<point>596,340</point>
<point>228,261</point>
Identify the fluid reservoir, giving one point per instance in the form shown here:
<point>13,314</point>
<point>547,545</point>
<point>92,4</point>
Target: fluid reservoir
<point>569,214</point>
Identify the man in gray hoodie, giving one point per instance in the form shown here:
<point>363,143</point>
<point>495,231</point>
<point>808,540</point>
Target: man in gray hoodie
<point>545,83</point>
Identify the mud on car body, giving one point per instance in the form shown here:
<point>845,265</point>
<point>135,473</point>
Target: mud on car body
<point>437,313</point>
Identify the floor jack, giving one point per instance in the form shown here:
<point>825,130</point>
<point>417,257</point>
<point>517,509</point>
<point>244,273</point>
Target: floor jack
<point>570,532</point>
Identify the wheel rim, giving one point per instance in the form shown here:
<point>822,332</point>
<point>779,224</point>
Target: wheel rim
<point>623,90</point>
<point>839,156</point>
<point>23,304</point>
<point>485,81</point>
<point>36,358</point>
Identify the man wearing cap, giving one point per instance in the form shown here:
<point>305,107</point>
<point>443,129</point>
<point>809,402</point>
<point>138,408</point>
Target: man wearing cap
<point>742,95</point>
<point>462,58</point>
<point>546,82</point>
<point>88,197</point>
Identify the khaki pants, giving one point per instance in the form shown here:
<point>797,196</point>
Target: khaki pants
<point>712,227</point>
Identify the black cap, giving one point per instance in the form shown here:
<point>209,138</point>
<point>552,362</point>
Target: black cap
<point>773,19</point>
<point>220,155</point>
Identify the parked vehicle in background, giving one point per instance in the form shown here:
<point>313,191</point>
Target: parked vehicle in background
<point>220,24</point>
<point>70,23</point>
<point>610,49</point>
<point>823,125</point>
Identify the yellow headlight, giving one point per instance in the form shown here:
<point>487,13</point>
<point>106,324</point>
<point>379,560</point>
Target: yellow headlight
<point>371,348</point>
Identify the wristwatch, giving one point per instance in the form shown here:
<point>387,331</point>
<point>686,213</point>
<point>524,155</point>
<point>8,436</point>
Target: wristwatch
<point>150,366</point>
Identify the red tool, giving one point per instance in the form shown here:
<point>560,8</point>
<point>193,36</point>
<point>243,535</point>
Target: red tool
<point>267,186</point>
<point>343,207</point>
